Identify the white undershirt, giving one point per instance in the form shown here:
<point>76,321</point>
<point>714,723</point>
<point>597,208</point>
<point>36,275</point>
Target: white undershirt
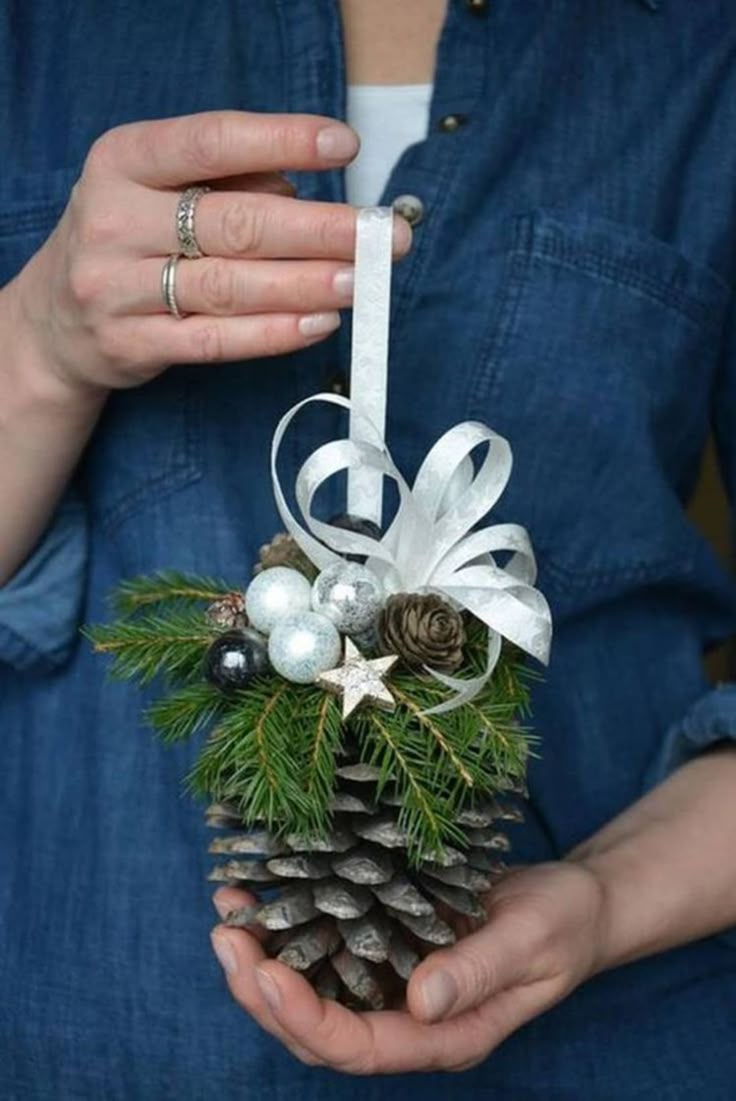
<point>388,118</point>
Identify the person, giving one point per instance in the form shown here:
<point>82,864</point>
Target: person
<point>568,172</point>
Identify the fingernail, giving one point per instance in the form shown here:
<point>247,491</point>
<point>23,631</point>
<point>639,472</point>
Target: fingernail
<point>223,908</point>
<point>344,282</point>
<point>402,235</point>
<point>269,990</point>
<point>317,324</point>
<point>439,993</point>
<point>337,143</point>
<point>224,952</point>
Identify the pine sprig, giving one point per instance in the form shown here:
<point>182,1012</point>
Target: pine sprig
<point>273,748</point>
<point>150,644</point>
<point>163,587</point>
<point>186,711</point>
<point>273,756</point>
<point>425,815</point>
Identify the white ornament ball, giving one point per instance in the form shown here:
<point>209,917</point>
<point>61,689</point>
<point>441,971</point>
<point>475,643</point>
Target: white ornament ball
<point>350,595</point>
<point>301,647</point>
<point>274,594</point>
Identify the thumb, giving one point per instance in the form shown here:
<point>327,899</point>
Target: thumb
<point>500,955</point>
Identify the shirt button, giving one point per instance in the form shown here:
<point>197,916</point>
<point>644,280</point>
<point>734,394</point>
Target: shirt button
<point>477,7</point>
<point>338,384</point>
<point>449,123</point>
<point>409,207</point>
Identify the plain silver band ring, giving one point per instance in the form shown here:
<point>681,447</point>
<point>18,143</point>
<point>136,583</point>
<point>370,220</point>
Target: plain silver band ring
<point>188,244</point>
<point>168,286</point>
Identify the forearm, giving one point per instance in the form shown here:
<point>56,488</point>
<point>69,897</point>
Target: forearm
<point>44,425</point>
<point>666,864</point>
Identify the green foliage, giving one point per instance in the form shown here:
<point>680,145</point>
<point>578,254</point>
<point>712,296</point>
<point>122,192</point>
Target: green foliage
<point>272,749</point>
<point>149,644</point>
<point>163,587</point>
<point>273,755</point>
<point>186,711</point>
<point>441,763</point>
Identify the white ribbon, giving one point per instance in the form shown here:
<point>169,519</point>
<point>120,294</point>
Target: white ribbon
<point>369,352</point>
<point>430,545</point>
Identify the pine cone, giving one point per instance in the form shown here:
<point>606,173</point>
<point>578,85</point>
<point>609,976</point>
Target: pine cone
<point>228,612</point>
<point>283,550</point>
<point>351,911</point>
<point>423,629</point>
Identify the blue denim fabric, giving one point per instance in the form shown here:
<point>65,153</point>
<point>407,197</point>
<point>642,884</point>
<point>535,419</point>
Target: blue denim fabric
<point>570,285</point>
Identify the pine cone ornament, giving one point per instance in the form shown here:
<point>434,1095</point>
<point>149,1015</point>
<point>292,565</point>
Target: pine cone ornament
<point>423,629</point>
<point>351,911</point>
<point>228,612</point>
<point>283,550</point>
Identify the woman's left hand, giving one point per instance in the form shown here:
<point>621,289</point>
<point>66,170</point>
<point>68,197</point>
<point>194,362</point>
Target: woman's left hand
<point>544,936</point>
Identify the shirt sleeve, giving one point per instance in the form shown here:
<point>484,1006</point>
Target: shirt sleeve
<point>710,721</point>
<point>41,605</point>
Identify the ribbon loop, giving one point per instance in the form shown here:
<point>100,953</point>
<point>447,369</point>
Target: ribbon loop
<point>430,545</point>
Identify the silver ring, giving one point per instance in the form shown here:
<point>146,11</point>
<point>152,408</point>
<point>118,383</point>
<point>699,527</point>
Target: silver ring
<point>168,286</point>
<point>188,244</point>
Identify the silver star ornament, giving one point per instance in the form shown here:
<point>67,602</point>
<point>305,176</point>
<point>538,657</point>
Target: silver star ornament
<point>359,680</point>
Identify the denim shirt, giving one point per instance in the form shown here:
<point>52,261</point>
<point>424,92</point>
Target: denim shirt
<point>570,285</point>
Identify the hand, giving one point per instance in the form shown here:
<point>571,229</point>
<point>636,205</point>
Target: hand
<point>275,272</point>
<point>544,937</point>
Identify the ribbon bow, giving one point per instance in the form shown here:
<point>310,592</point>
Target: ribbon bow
<point>430,545</point>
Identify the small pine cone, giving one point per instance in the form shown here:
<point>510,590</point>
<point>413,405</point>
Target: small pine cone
<point>228,612</point>
<point>423,629</point>
<point>283,550</point>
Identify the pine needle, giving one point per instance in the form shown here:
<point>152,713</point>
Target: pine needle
<point>143,647</point>
<point>166,585</point>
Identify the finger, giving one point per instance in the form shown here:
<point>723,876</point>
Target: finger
<point>238,953</point>
<point>226,900</point>
<point>365,1043</point>
<point>242,224</point>
<point>503,953</point>
<point>212,144</point>
<point>225,288</point>
<point>200,339</point>
<point>272,183</point>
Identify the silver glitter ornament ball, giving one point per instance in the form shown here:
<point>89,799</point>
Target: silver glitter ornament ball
<point>301,647</point>
<point>275,594</point>
<point>350,595</point>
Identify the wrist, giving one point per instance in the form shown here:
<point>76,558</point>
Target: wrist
<point>29,372</point>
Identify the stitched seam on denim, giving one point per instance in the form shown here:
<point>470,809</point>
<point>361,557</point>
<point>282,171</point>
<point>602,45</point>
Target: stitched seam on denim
<point>180,473</point>
<point>28,221</point>
<point>27,651</point>
<point>621,274</point>
<point>585,578</point>
<point>485,380</point>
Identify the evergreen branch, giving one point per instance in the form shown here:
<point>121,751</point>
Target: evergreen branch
<point>166,585</point>
<point>320,768</point>
<point>427,722</point>
<point>272,754</point>
<point>151,644</point>
<point>186,712</point>
<point>260,738</point>
<point>421,817</point>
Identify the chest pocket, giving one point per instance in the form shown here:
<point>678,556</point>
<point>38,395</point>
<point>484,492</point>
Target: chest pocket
<point>147,443</point>
<point>597,365</point>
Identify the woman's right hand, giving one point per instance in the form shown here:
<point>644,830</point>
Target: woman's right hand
<point>275,271</point>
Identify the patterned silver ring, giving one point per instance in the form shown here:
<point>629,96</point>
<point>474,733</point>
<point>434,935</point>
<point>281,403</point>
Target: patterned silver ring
<point>168,286</point>
<point>188,244</point>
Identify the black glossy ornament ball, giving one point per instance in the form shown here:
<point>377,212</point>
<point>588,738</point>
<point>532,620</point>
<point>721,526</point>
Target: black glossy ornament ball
<point>358,525</point>
<point>235,658</point>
